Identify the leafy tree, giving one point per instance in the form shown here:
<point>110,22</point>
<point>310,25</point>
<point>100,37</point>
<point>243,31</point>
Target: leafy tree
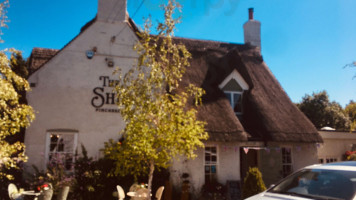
<point>350,109</point>
<point>160,113</point>
<point>14,115</point>
<point>321,112</point>
<point>3,17</point>
<point>18,64</point>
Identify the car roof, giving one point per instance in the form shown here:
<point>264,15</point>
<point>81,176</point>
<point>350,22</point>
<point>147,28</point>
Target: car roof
<point>346,166</point>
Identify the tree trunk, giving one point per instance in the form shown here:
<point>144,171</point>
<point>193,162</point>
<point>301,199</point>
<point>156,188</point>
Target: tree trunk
<point>150,177</point>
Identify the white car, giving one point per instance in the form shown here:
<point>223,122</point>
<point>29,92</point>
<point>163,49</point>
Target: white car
<point>332,181</point>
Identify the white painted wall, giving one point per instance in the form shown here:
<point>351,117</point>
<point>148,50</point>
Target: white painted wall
<point>270,162</point>
<point>304,155</point>
<point>335,144</point>
<point>64,89</point>
<point>228,167</point>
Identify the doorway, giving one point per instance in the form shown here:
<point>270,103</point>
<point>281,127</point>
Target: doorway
<point>247,160</point>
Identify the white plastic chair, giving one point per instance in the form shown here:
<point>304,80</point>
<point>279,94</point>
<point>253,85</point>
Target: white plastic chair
<point>159,193</point>
<point>13,191</point>
<point>120,192</point>
<point>134,187</point>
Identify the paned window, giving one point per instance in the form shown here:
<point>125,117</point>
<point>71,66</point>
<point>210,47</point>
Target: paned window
<point>61,149</point>
<point>330,160</point>
<point>287,166</point>
<point>234,94</point>
<point>235,99</point>
<point>211,160</point>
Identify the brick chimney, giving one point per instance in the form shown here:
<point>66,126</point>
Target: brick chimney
<point>252,30</point>
<point>112,10</point>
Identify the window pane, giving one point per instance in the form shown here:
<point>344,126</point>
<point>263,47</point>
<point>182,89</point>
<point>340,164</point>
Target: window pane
<point>213,158</point>
<point>207,169</point>
<point>228,96</point>
<point>68,162</point>
<point>213,150</point>
<point>213,169</point>
<point>237,102</point>
<point>289,159</point>
<point>207,159</point>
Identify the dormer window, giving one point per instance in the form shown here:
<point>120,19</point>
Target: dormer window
<point>233,87</point>
<point>234,93</point>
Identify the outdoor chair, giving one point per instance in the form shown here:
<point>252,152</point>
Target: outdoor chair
<point>13,192</point>
<point>120,192</point>
<point>134,187</point>
<point>159,193</point>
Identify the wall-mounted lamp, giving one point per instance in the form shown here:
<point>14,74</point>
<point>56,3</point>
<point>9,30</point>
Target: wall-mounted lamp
<point>109,62</point>
<point>90,53</point>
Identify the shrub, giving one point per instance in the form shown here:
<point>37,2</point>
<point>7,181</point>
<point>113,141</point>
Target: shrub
<point>94,179</point>
<point>55,174</point>
<point>253,183</point>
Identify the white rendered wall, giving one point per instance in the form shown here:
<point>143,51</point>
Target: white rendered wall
<point>270,162</point>
<point>64,89</point>
<point>228,167</point>
<point>335,144</point>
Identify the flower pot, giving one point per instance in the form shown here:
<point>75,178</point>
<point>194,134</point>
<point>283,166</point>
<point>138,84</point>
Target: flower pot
<point>63,193</point>
<point>46,194</point>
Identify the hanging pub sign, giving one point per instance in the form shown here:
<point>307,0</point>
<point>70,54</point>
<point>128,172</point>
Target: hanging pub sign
<point>104,99</point>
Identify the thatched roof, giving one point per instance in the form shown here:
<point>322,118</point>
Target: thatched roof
<point>269,114</point>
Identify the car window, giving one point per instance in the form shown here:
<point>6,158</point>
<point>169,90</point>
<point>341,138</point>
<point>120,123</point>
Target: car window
<point>319,184</point>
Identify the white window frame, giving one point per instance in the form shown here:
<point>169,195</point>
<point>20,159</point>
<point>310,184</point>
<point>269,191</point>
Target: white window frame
<point>232,100</point>
<point>211,163</point>
<point>74,133</point>
<point>285,164</point>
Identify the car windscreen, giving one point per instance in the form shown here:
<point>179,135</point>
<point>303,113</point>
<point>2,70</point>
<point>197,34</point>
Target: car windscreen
<point>319,184</point>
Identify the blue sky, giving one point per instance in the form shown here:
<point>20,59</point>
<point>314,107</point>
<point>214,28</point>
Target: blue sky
<point>305,43</point>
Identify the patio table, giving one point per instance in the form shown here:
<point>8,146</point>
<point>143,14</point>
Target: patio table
<point>137,195</point>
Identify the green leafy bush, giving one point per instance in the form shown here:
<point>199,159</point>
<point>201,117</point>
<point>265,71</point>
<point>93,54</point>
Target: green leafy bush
<point>94,179</point>
<point>253,183</point>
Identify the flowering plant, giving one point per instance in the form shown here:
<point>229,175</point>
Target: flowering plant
<point>54,177</point>
<point>350,155</point>
<point>43,187</point>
